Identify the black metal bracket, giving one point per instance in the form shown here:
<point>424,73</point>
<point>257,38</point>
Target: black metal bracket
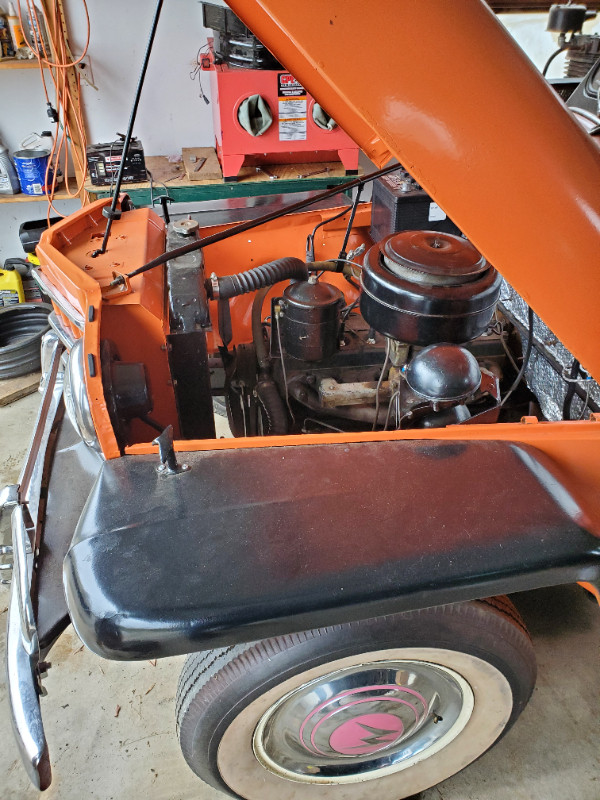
<point>166,452</point>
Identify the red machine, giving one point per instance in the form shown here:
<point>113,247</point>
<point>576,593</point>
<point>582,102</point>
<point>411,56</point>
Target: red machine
<point>264,116</point>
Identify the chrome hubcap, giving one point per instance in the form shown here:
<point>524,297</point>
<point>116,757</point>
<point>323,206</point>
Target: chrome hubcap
<point>363,721</point>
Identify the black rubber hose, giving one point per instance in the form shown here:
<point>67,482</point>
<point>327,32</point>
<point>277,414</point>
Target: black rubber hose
<point>262,357</point>
<point>259,277</point>
<point>274,407</point>
<point>266,389</point>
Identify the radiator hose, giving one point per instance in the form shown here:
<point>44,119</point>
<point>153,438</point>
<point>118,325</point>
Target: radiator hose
<point>266,389</point>
<point>266,275</point>
<point>273,406</point>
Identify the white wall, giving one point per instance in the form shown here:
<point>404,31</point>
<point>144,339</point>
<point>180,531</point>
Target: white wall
<point>171,114</point>
<point>529,30</point>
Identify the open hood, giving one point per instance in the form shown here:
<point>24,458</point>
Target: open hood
<point>443,88</point>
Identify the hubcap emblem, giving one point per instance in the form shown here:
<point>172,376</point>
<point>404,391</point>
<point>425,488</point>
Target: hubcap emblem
<point>366,734</point>
<point>361,721</point>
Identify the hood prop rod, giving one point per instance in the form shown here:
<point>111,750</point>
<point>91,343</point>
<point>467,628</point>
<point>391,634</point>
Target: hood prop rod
<point>112,213</point>
<point>253,223</point>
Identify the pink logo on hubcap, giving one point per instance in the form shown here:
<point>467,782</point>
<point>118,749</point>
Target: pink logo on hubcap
<point>366,734</point>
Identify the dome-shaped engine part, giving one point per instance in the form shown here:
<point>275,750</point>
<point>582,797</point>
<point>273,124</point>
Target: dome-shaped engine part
<point>311,319</point>
<point>444,373</point>
<point>423,287</point>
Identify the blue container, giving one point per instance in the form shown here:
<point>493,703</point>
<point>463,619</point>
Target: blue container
<point>31,168</point>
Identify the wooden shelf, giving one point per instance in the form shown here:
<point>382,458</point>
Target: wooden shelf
<point>171,177</point>
<point>36,198</point>
<point>18,63</point>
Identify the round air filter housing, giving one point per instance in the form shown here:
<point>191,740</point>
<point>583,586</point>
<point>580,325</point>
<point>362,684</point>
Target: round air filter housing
<point>423,287</point>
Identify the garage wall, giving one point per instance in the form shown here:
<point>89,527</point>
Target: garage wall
<point>171,113</point>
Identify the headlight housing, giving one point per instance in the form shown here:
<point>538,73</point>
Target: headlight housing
<point>76,397</point>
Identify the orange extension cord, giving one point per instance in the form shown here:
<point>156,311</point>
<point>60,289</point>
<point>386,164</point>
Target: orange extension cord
<point>58,62</point>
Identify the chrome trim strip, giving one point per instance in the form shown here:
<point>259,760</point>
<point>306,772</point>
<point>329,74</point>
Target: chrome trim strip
<point>22,573</point>
<point>22,648</point>
<point>43,424</point>
<point>67,309</point>
<point>24,701</point>
<point>59,329</point>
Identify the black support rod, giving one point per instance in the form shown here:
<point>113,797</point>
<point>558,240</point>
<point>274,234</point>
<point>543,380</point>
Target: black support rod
<point>254,223</point>
<point>112,213</point>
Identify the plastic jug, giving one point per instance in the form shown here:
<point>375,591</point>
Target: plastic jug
<point>31,291</point>
<point>11,288</point>
<point>9,182</point>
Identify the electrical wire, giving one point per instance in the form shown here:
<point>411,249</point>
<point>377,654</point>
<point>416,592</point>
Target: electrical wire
<point>349,309</point>
<point>196,72</point>
<point>552,57</point>
<point>394,396</point>
<point>248,225</point>
<point>342,255</point>
<point>587,400</point>
<point>285,383</point>
<point>310,239</point>
<point>319,422</point>
<point>380,381</point>
<point>64,110</point>
<point>526,356</point>
<point>348,261</point>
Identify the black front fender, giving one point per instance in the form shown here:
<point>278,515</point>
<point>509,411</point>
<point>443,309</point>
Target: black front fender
<point>251,543</point>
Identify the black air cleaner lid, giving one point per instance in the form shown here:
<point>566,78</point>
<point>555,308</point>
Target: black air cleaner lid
<point>432,257</point>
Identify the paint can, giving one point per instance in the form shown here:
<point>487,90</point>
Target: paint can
<point>31,168</point>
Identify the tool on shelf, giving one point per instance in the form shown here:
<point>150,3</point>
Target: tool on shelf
<point>271,175</point>
<point>314,172</point>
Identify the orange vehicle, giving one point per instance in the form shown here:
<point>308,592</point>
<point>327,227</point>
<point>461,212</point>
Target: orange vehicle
<point>415,420</point>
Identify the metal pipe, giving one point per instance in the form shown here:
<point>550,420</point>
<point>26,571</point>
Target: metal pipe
<point>112,213</point>
<point>254,223</point>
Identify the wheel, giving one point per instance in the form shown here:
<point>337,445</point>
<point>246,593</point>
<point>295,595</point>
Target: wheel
<point>384,707</point>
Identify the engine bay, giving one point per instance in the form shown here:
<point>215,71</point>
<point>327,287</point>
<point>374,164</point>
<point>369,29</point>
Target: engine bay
<point>339,320</point>
<point>400,333</point>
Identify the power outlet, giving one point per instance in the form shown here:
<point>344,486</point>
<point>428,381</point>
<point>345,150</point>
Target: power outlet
<point>86,73</point>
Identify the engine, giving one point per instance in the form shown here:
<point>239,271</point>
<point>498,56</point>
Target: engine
<point>419,346</point>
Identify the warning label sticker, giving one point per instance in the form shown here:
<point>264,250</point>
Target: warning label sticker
<point>292,108</point>
<point>288,86</point>
<point>292,119</point>
<point>435,213</point>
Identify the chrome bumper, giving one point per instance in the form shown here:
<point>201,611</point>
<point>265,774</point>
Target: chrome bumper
<point>22,648</point>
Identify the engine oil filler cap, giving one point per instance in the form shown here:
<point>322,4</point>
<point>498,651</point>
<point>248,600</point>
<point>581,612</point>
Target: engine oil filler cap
<point>427,287</point>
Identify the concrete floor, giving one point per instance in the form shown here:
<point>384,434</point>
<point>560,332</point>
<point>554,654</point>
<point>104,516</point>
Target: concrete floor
<point>98,752</point>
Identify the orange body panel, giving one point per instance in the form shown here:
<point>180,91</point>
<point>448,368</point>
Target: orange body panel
<point>591,589</point>
<point>135,321</point>
<point>474,122</point>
